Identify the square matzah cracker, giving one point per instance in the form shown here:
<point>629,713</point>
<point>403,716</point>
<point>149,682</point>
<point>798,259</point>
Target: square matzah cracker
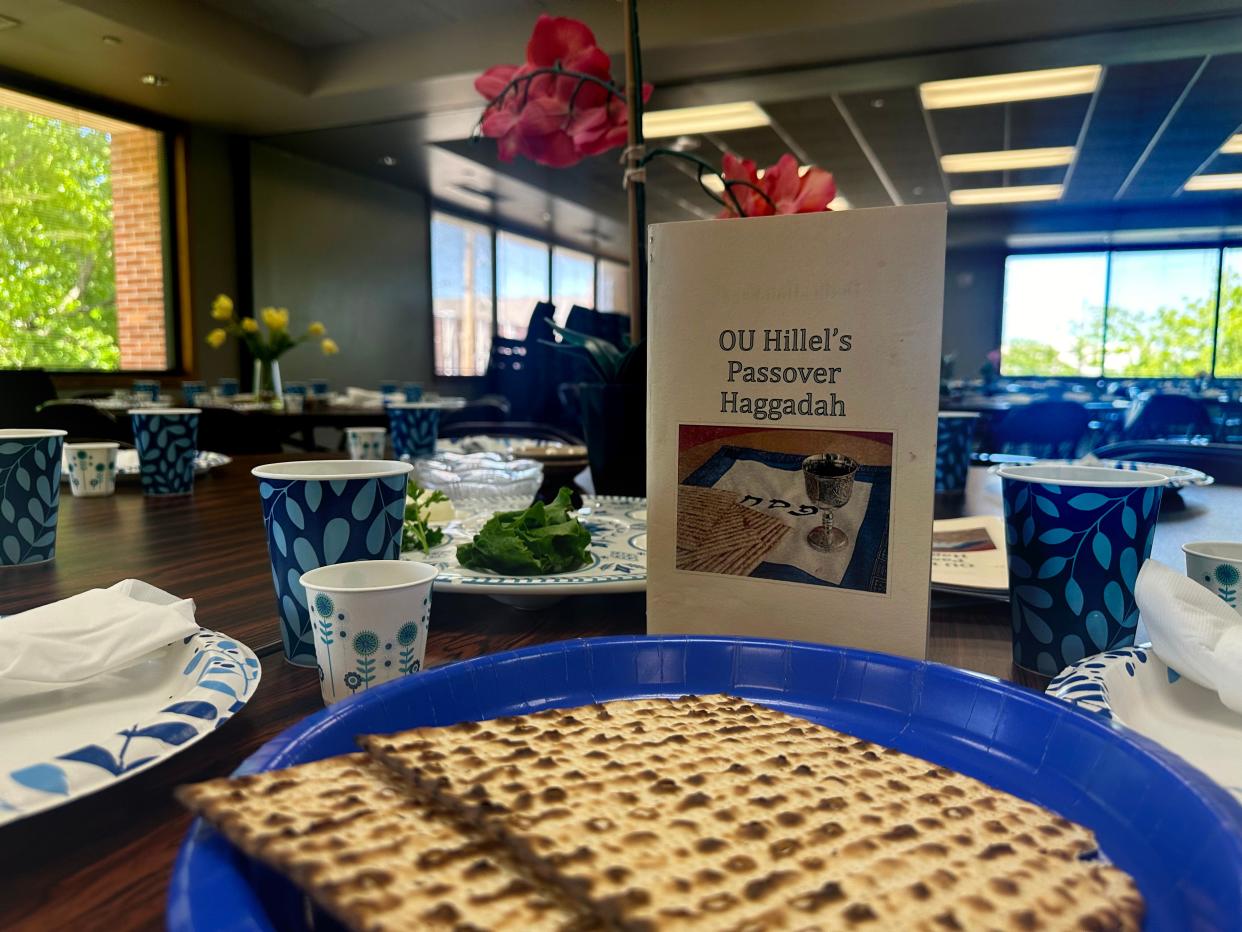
<point>716,534</point>
<point>346,830</point>
<point>715,813</point>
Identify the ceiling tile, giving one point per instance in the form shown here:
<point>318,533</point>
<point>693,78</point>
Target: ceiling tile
<point>898,136</point>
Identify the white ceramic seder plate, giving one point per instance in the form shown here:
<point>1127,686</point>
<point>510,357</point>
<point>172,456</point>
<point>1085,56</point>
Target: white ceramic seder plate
<point>127,464</point>
<point>545,450</point>
<point>1133,686</point>
<point>59,746</point>
<point>618,527</point>
<point>1179,476</point>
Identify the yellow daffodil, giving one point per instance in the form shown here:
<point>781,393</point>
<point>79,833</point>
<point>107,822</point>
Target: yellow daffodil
<point>316,329</point>
<point>329,346</point>
<point>276,318</point>
<point>222,307</point>
<point>217,337</point>
<point>250,325</point>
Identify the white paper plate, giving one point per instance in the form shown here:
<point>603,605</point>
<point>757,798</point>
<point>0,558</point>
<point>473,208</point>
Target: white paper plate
<point>1178,476</point>
<point>618,527</point>
<point>62,745</point>
<point>127,464</point>
<point>1134,687</point>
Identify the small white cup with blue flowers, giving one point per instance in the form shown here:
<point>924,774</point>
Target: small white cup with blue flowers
<point>366,443</point>
<point>91,468</point>
<point>369,620</point>
<point>1216,565</point>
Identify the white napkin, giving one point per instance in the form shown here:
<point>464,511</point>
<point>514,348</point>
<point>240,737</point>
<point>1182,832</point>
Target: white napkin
<point>99,631</point>
<point>1192,631</point>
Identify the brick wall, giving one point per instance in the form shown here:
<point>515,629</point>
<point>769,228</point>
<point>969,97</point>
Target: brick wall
<point>138,248</point>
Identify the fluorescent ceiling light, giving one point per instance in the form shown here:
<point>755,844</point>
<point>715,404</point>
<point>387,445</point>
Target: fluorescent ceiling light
<point>1011,195</point>
<point>1233,145</point>
<point>1218,182</point>
<point>1003,88</point>
<point>1007,159</point>
<point>713,118</point>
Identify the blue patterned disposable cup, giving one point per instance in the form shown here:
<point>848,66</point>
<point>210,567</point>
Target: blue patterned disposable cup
<point>388,388</point>
<point>955,431</point>
<point>29,494</point>
<point>228,387</point>
<point>366,443</point>
<point>319,388</point>
<point>1216,565</point>
<point>414,426</point>
<point>146,390</point>
<point>1077,537</point>
<point>167,442</point>
<point>413,391</point>
<point>320,513</point>
<point>191,389</point>
<point>369,621</point>
<point>91,468</point>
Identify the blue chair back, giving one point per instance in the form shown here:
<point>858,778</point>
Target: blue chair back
<point>1045,429</point>
<point>1167,416</point>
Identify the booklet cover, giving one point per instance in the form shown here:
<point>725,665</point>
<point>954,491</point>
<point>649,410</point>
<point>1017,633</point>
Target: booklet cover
<point>968,557</point>
<point>794,366</point>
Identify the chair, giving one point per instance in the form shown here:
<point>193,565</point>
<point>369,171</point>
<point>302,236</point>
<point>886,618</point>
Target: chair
<point>1046,429</point>
<point>1167,417</point>
<point>81,422</point>
<point>490,408</point>
<point>1222,461</point>
<point>222,430</point>
<point>510,375</point>
<point>21,393</point>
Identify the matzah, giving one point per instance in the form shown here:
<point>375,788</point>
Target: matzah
<point>347,832</point>
<point>716,534</point>
<point>715,813</point>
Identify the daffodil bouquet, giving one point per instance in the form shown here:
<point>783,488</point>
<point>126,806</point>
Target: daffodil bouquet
<point>264,346</point>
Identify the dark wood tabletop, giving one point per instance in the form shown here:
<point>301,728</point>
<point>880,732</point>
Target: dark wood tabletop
<point>104,861</point>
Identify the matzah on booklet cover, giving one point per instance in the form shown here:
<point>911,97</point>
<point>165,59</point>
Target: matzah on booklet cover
<point>793,386</point>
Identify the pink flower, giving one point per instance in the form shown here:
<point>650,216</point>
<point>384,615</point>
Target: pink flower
<point>789,192</point>
<point>555,120</point>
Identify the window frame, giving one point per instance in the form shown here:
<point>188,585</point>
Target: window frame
<point>178,309</point>
<point>496,227</point>
<point>1219,245</point>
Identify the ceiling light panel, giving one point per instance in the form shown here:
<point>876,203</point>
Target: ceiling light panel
<point>713,118</point>
<point>1016,194</point>
<point>1004,88</point>
<point>1233,145</point>
<point>1006,160</point>
<point>1222,181</point>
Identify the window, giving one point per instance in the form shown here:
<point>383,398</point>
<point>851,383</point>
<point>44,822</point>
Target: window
<point>573,281</point>
<point>1141,313</point>
<point>521,282</point>
<point>82,240</point>
<point>612,287</point>
<point>461,295</point>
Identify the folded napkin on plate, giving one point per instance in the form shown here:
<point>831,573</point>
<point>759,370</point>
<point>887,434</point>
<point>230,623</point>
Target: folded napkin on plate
<point>1192,631</point>
<point>75,639</point>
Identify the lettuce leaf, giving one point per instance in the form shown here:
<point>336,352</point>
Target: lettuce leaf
<point>544,538</point>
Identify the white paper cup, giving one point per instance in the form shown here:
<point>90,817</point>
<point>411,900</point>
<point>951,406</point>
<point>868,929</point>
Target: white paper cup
<point>91,468</point>
<point>1216,565</point>
<point>366,443</point>
<point>369,620</point>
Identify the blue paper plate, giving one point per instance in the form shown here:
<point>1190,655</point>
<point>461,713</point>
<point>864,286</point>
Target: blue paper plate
<point>1176,832</point>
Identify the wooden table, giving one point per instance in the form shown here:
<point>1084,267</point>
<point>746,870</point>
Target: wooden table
<point>104,861</point>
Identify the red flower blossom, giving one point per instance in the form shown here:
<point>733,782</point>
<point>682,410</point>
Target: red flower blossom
<point>789,192</point>
<point>554,120</point>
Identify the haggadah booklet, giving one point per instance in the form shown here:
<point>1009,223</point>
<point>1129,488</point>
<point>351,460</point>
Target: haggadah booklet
<point>793,387</point>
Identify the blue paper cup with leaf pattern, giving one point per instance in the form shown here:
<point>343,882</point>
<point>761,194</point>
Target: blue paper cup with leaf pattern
<point>370,623</point>
<point>30,463</point>
<point>167,442</point>
<point>955,431</point>
<point>1077,537</point>
<point>321,513</point>
<point>414,426</point>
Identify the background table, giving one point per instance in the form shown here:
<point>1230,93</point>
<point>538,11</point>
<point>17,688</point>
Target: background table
<point>104,861</point>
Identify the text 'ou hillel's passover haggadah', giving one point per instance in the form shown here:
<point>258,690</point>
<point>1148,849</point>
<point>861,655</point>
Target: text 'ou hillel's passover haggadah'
<point>793,390</point>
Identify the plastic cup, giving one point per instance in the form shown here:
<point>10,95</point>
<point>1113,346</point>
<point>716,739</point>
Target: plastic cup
<point>167,442</point>
<point>414,426</point>
<point>320,513</point>
<point>1077,537</point>
<point>955,432</point>
<point>1217,566</point>
<point>366,443</point>
<point>91,468</point>
<point>30,461</point>
<point>370,623</point>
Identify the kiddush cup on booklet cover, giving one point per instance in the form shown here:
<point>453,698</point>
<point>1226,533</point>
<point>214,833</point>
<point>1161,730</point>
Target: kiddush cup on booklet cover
<point>167,442</point>
<point>414,426</point>
<point>91,468</point>
<point>319,513</point>
<point>1217,566</point>
<point>30,463</point>
<point>366,443</point>
<point>369,621</point>
<point>955,431</point>
<point>1077,537</point>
